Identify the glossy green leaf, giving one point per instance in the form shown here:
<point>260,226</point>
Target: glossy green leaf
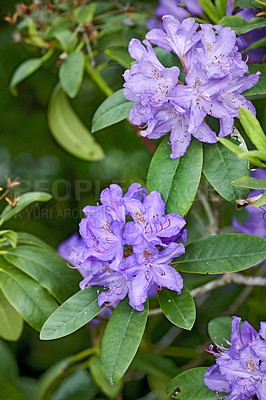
<point>23,71</point>
<point>30,300</point>
<point>9,236</point>
<point>111,391</point>
<point>259,156</point>
<point>219,254</point>
<point>120,55</point>
<point>251,183</point>
<point>77,311</point>
<point>221,7</point>
<point>210,10</point>
<point>179,309</point>
<point>176,179</point>
<point>221,166</point>
<point>68,130</point>
<point>11,323</point>
<point>84,13</point>
<point>189,385</point>
<point>240,25</point>
<point>121,340</point>
<point>8,364</point>
<point>32,240</point>
<point>252,128</point>
<point>219,329</point>
<point>25,199</point>
<point>259,90</point>
<point>242,154</point>
<point>9,391</point>
<point>114,109</point>
<point>261,201</point>
<point>248,4</point>
<point>47,268</point>
<point>71,73</point>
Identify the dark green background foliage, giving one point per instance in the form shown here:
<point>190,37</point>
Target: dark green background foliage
<point>70,367</point>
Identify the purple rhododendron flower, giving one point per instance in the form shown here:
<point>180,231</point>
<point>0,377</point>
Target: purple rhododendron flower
<point>191,8</point>
<point>214,80</point>
<point>240,370</point>
<point>179,9</point>
<point>126,245</point>
<point>255,224</point>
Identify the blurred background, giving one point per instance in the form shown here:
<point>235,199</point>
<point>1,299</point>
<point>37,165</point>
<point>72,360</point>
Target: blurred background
<point>28,150</point>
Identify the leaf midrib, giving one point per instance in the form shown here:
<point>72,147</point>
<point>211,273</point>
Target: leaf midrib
<point>119,348</point>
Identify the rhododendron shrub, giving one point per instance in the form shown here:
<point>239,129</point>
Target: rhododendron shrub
<point>160,233</point>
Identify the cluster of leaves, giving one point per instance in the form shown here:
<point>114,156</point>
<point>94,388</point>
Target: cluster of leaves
<point>35,284</point>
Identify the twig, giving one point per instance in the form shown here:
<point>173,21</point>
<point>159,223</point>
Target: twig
<point>208,210</point>
<point>227,279</point>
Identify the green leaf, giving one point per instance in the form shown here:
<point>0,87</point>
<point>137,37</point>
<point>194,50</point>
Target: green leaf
<point>260,202</point>
<point>9,391</point>
<point>250,183</point>
<point>210,10</point>
<point>32,240</point>
<point>111,391</point>
<point>67,39</point>
<point>22,72</point>
<point>179,309</point>
<point>154,364</point>
<point>8,364</point>
<point>176,179</point>
<point>189,385</point>
<point>220,329</point>
<point>242,154</point>
<point>114,109</point>
<point>221,167</point>
<point>47,268</point>
<point>11,326</point>
<point>219,254</point>
<point>77,386</point>
<point>252,128</point>
<point>71,73</point>
<point>77,311</point>
<point>221,7</point>
<point>68,130</point>
<point>10,236</point>
<point>121,340</point>
<point>254,155</point>
<point>255,45</point>
<point>248,4</point>
<point>120,55</point>
<point>52,378</point>
<point>240,25</point>
<point>25,199</point>
<point>84,13</point>
<point>259,90</point>
<point>30,300</point>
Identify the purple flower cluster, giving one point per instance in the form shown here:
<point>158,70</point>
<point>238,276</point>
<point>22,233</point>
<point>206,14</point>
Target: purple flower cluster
<point>241,369</point>
<point>176,9</point>
<point>126,246</point>
<point>192,8</point>
<point>256,224</point>
<point>215,79</point>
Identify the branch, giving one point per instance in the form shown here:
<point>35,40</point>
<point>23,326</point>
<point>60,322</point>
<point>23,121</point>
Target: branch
<point>227,279</point>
